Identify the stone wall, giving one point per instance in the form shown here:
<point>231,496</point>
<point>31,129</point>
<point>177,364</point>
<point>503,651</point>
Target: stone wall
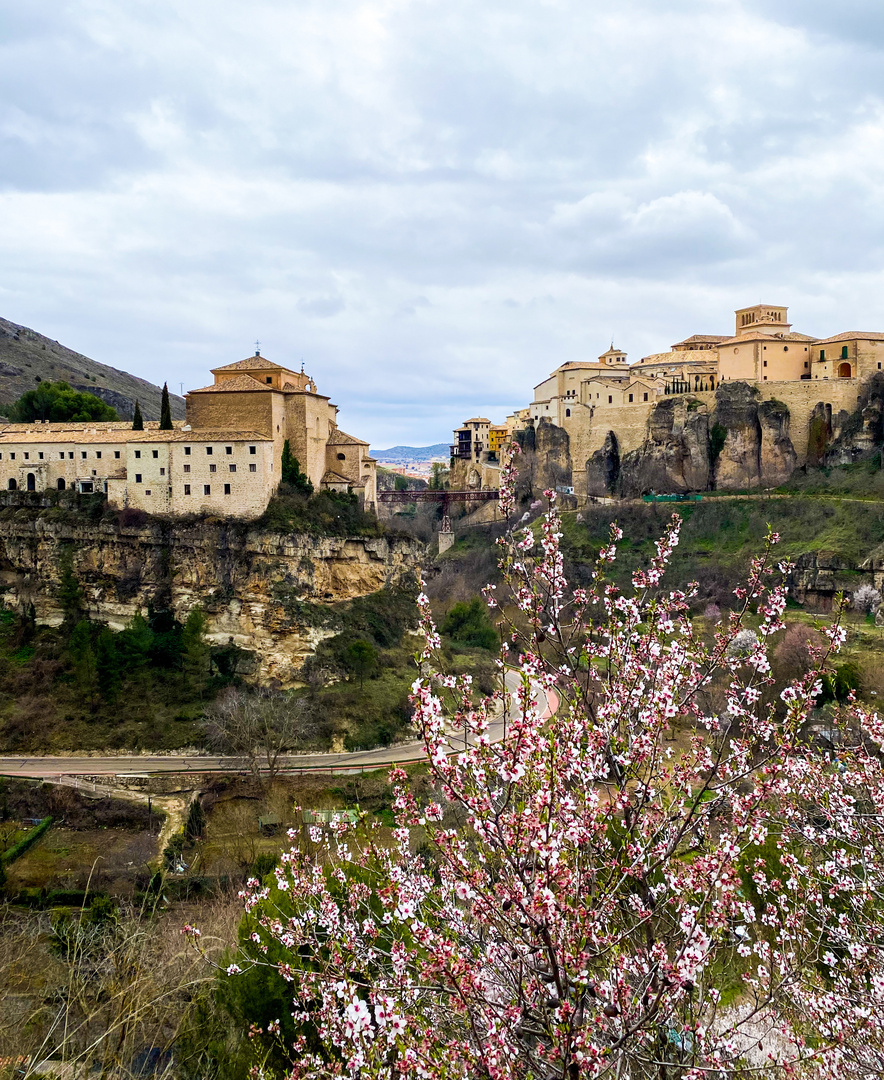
<point>257,588</point>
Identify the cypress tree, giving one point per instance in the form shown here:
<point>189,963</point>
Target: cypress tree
<point>165,410</point>
<point>137,419</point>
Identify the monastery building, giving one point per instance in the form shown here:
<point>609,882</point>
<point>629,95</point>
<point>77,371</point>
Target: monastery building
<point>224,459</point>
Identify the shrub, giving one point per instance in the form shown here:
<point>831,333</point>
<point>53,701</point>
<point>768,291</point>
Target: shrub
<point>469,624</point>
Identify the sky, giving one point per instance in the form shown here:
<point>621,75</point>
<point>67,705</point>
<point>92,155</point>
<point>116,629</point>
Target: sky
<point>434,203</point>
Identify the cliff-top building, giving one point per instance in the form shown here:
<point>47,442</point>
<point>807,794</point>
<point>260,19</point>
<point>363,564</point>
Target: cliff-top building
<point>611,399</point>
<point>225,458</point>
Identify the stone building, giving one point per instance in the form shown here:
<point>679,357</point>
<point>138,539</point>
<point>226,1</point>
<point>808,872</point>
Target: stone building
<point>611,403</point>
<point>224,459</point>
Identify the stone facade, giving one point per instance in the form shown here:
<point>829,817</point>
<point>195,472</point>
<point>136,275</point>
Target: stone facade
<point>224,459</point>
<point>621,420</point>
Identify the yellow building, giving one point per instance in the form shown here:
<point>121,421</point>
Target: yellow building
<point>224,459</point>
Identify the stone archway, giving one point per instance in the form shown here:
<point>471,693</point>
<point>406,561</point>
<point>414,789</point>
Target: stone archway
<point>61,483</point>
<point>844,371</point>
<point>32,482</point>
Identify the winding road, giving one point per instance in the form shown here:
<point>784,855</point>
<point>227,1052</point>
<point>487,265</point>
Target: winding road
<point>51,768</point>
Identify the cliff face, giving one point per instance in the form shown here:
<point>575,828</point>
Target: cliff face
<point>743,442</point>
<point>675,453</point>
<point>258,589</point>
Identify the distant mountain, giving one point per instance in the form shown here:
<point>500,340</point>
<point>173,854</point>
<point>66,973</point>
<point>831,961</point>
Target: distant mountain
<point>27,358</point>
<point>413,453</point>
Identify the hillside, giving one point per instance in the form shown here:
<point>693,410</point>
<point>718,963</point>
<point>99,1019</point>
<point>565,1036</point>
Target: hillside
<point>413,453</point>
<point>27,358</point>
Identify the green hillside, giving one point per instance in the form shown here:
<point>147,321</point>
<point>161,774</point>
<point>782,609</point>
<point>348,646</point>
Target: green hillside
<point>27,358</point>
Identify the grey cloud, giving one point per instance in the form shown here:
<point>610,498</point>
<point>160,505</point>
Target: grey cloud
<point>433,203</point>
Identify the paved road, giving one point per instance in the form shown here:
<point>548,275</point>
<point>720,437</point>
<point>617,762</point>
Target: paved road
<point>128,764</point>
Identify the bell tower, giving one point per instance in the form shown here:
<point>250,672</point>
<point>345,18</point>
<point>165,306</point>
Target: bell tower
<point>762,319</point>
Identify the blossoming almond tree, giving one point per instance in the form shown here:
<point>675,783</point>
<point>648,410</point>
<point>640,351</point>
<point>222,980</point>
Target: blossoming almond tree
<point>620,902</point>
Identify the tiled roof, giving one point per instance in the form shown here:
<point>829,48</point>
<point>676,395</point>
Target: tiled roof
<point>758,336</point>
<point>89,437</point>
<point>240,382</point>
<point>331,477</point>
<point>341,438</point>
<point>97,425</point>
<point>477,420</point>
<point>252,363</point>
<point>852,335</point>
<point>711,339</point>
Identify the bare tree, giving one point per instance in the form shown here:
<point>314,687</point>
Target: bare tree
<point>258,726</point>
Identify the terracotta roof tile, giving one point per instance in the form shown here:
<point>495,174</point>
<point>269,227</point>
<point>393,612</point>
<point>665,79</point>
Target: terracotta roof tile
<point>331,477</point>
<point>240,382</point>
<point>852,335</point>
<point>72,438</point>
<point>252,363</point>
<point>341,438</point>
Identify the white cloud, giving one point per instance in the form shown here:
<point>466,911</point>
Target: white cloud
<point>433,203</point>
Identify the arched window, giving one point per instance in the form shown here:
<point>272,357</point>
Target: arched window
<point>12,484</point>
<point>61,483</point>
<point>32,482</point>
<point>567,412</point>
<point>844,371</point>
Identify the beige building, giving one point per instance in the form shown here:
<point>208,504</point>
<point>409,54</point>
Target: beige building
<point>224,459</point>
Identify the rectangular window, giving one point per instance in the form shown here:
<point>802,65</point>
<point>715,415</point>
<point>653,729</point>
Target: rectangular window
<point>61,454</point>
<point>187,489</point>
<point>117,454</point>
<point>71,454</point>
<point>187,451</point>
<point>187,468</point>
<point>138,453</point>
<point>155,453</point>
<point>138,478</point>
<point>254,468</point>
<point>765,363</point>
<point>610,400</point>
<point>162,472</point>
<point>646,397</point>
<point>252,450</point>
<point>805,363</point>
<point>228,449</point>
<point>98,453</point>
<point>12,456</point>
<point>40,455</point>
<point>209,451</point>
<point>83,454</point>
<point>822,354</point>
<point>630,397</point>
<point>227,489</point>
<point>28,456</point>
<point>147,492</point>
<point>232,468</point>
<point>213,468</point>
<point>207,490</point>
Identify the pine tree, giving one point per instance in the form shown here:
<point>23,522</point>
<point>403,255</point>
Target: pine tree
<point>194,653</point>
<point>137,419</point>
<point>165,410</point>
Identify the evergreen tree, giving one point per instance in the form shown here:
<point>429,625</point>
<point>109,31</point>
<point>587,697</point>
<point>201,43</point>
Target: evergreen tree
<point>107,664</point>
<point>291,471</point>
<point>70,595</point>
<point>165,410</point>
<point>84,662</point>
<point>362,659</point>
<point>133,645</point>
<point>60,402</point>
<point>137,419</point>
<point>195,652</point>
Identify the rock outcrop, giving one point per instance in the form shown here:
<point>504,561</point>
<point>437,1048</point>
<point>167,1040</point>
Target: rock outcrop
<point>859,434</point>
<point>603,468</point>
<point>268,593</point>
<point>757,449</point>
<point>675,454</point>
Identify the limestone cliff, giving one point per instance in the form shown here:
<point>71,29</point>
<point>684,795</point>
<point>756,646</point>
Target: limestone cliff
<point>851,437</point>
<point>757,448</point>
<point>675,454</point>
<point>269,593</point>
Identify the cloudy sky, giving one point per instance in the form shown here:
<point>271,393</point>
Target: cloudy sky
<point>434,202</point>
